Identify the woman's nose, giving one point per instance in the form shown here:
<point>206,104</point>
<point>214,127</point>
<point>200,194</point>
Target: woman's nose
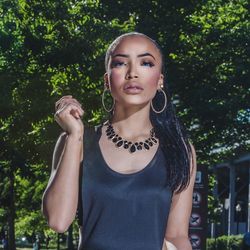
<point>131,73</point>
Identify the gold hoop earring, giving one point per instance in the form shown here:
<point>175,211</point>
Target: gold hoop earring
<point>103,101</point>
<point>165,103</point>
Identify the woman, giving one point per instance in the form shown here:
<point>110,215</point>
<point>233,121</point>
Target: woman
<point>136,171</point>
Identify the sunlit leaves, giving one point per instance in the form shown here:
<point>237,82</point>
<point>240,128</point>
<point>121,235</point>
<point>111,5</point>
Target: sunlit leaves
<point>52,48</point>
<point>214,56</point>
<point>47,49</point>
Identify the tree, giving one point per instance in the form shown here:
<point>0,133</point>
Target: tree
<point>51,48</point>
<point>47,49</point>
<point>212,77</point>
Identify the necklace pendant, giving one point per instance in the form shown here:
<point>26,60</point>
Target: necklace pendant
<point>154,140</point>
<point>111,136</point>
<point>119,143</point>
<point>146,146</point>
<point>150,143</point>
<point>109,133</point>
<point>115,139</point>
<point>132,148</point>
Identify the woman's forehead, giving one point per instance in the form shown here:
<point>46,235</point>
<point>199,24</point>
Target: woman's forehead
<point>136,44</point>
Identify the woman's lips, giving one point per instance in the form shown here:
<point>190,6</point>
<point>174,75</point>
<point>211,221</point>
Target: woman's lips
<point>133,89</point>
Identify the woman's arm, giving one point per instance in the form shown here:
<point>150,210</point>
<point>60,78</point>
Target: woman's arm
<point>60,198</point>
<point>178,220</point>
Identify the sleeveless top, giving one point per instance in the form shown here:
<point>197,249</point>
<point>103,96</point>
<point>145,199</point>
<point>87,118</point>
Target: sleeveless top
<point>121,211</point>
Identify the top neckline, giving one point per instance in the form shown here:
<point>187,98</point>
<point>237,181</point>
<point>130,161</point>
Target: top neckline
<point>114,172</point>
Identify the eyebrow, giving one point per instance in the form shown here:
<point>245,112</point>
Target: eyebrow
<point>141,55</point>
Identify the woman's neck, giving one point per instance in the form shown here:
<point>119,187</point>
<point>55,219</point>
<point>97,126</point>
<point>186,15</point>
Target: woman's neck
<point>132,123</point>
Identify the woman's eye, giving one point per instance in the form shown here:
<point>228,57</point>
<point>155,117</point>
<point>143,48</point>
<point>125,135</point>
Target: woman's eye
<point>148,64</point>
<point>117,64</point>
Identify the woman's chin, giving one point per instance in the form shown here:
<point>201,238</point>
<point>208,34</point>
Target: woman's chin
<point>135,104</point>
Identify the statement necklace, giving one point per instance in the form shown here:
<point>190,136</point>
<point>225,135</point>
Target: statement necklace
<point>130,146</point>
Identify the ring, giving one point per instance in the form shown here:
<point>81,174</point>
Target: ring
<point>57,113</point>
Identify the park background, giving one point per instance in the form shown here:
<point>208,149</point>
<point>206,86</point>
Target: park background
<point>53,48</point>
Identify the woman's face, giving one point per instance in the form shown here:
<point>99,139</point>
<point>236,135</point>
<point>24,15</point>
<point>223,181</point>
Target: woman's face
<point>134,71</point>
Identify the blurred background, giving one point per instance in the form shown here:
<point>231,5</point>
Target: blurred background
<point>53,48</point>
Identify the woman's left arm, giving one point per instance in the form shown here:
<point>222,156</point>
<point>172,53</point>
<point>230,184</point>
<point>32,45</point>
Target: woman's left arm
<point>178,220</point>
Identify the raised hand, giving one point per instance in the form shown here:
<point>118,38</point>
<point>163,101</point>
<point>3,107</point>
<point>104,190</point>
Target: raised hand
<point>68,113</point>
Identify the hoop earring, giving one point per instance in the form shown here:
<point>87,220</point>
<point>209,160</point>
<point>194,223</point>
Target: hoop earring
<point>165,103</point>
<point>103,102</point>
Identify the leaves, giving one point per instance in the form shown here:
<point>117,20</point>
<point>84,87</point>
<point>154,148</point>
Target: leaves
<point>49,49</point>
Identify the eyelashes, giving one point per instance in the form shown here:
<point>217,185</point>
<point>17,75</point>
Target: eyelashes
<point>149,64</point>
<point>117,64</point>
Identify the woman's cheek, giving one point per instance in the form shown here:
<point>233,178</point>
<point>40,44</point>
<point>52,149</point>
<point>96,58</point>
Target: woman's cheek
<point>154,79</point>
<point>115,78</point>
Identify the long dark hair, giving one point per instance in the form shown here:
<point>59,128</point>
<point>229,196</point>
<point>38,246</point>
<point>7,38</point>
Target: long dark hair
<point>172,136</point>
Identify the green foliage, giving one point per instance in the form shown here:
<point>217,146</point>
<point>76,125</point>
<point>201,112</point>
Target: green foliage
<point>213,83</point>
<point>47,49</point>
<point>214,71</point>
<point>51,48</point>
<point>214,206</point>
<point>225,242</point>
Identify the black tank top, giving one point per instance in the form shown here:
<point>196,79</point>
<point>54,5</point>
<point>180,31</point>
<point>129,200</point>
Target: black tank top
<point>122,211</point>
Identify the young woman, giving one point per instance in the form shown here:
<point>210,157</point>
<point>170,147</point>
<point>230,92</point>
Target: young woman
<point>131,179</point>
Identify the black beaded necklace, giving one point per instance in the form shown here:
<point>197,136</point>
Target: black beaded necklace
<point>130,146</point>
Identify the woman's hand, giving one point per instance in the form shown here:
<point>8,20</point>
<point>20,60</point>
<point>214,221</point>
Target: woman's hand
<point>68,113</point>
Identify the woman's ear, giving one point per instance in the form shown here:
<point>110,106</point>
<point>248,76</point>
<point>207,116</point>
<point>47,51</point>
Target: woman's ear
<point>106,80</point>
<point>160,81</point>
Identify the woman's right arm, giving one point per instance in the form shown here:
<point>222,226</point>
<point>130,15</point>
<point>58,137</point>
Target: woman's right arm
<point>60,198</point>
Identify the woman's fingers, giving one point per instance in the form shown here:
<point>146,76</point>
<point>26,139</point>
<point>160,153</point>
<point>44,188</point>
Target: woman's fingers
<point>62,99</point>
<point>75,113</point>
<point>70,108</point>
<point>64,104</point>
<point>66,101</point>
